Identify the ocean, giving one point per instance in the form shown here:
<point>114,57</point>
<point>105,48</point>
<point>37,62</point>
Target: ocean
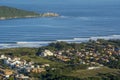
<point>77,23</point>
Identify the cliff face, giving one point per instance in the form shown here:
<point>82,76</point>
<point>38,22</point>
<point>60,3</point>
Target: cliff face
<point>9,13</point>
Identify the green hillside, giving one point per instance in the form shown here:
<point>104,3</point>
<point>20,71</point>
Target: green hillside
<point>9,12</point>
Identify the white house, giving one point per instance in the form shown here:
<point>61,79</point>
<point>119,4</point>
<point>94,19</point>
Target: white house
<point>90,68</point>
<point>3,57</point>
<point>46,53</point>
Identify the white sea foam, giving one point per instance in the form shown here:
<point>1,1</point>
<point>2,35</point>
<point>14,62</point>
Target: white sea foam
<point>106,37</point>
<point>23,44</point>
<point>75,40</point>
<point>43,43</point>
<point>66,40</point>
<point>76,17</point>
<point>64,16</point>
<point>81,39</point>
<point>91,38</point>
<point>2,46</point>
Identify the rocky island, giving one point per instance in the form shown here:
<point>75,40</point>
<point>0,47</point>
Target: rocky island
<point>11,13</point>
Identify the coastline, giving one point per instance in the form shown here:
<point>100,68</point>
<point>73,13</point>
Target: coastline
<point>37,44</point>
<point>48,14</point>
<point>78,59</point>
<point>14,13</point>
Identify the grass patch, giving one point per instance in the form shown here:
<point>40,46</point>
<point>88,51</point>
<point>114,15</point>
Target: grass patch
<point>92,73</point>
<point>19,51</point>
<point>42,60</point>
<point>30,55</point>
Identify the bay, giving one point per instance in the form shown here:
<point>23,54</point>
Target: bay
<point>76,23</point>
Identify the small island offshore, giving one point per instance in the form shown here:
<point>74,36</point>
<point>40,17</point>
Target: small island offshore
<point>12,13</point>
<point>92,60</point>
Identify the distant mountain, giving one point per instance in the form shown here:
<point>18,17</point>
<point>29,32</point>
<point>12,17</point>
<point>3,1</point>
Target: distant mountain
<point>9,13</point>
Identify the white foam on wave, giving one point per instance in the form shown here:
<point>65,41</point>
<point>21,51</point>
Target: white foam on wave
<point>66,40</point>
<point>64,17</point>
<point>33,44</point>
<point>91,38</point>
<point>17,46</point>
<point>85,18</point>
<point>3,46</point>
<point>106,37</point>
<point>24,44</point>
<point>77,17</point>
<point>74,40</point>
<point>43,43</point>
<point>81,39</point>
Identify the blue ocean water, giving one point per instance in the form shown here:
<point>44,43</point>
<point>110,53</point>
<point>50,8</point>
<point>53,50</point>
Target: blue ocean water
<point>77,22</point>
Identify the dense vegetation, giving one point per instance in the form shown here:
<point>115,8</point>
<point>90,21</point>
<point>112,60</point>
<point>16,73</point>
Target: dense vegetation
<point>9,12</point>
<point>71,70</point>
<point>75,73</point>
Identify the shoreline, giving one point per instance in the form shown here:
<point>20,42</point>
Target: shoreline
<point>14,13</point>
<point>48,14</point>
<point>34,44</point>
<point>3,18</point>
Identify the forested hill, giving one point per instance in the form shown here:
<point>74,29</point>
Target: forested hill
<point>9,13</point>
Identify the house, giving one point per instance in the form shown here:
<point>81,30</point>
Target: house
<point>90,68</point>
<point>3,57</point>
<point>46,53</point>
<point>38,70</point>
<point>6,72</point>
<point>22,77</point>
<point>66,59</point>
<point>27,69</point>
<point>63,58</point>
<point>45,65</point>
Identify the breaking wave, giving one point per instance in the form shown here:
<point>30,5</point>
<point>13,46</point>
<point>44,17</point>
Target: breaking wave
<point>44,43</point>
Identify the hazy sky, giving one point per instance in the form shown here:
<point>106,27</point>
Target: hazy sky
<point>60,1</point>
